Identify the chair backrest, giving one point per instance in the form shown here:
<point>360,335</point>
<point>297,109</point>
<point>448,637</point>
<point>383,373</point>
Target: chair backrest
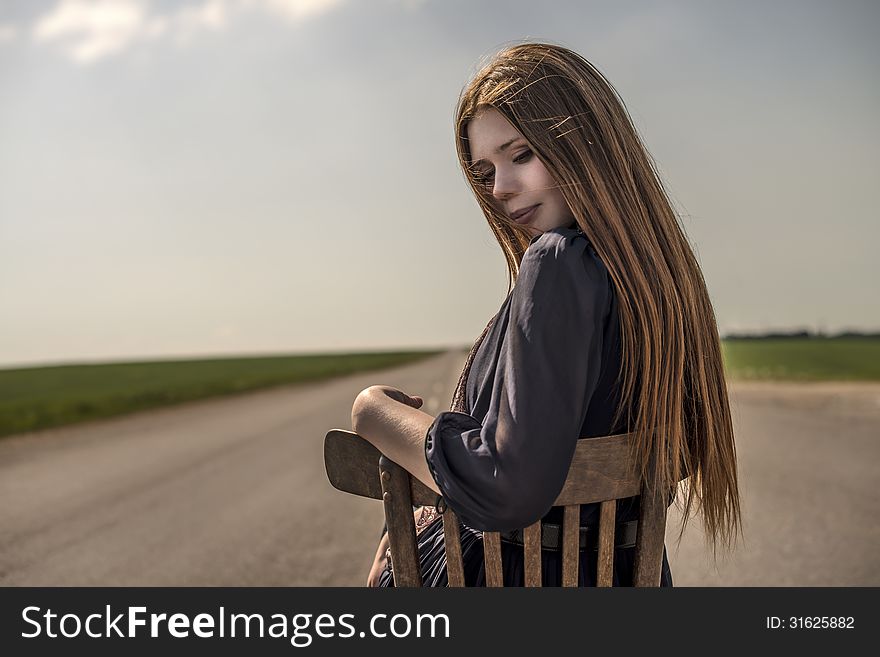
<point>601,471</point>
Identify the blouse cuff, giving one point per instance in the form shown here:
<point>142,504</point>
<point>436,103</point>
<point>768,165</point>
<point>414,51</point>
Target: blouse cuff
<point>459,464</point>
<point>447,422</point>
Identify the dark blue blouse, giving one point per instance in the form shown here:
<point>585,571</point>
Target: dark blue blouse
<point>544,376</point>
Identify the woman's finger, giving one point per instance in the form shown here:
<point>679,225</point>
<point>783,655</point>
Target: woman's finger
<point>399,395</point>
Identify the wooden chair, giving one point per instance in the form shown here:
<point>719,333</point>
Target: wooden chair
<point>600,471</point>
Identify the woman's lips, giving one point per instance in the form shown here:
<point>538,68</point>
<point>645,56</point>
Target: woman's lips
<point>526,216</point>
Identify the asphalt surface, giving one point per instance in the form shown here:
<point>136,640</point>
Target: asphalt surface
<point>232,492</point>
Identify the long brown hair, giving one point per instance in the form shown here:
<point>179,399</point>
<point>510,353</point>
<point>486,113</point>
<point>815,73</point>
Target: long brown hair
<point>672,370</point>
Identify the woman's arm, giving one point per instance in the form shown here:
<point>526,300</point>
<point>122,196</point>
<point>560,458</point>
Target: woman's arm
<point>395,428</point>
<point>504,469</point>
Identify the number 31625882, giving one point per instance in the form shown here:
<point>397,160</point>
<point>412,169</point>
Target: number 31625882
<point>811,623</point>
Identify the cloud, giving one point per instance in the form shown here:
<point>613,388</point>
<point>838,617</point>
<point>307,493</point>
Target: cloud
<point>89,30</point>
<point>295,10</point>
<point>8,33</point>
<point>189,21</point>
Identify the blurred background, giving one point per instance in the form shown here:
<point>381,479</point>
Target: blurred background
<point>204,199</point>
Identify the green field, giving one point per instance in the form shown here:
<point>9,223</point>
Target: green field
<point>43,397</point>
<point>803,359</point>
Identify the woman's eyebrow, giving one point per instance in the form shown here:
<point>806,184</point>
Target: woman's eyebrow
<point>499,149</point>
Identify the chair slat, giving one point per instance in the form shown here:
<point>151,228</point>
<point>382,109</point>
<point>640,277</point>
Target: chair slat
<point>571,522</point>
<point>649,544</point>
<point>607,521</point>
<point>532,554</point>
<point>401,523</point>
<point>452,543</point>
<point>492,557</point>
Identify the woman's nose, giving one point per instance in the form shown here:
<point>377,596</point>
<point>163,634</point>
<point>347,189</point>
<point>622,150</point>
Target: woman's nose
<point>505,185</point>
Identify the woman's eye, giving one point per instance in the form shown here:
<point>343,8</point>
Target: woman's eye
<point>486,178</point>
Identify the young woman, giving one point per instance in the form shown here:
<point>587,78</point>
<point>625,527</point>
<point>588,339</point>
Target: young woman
<point>608,329</point>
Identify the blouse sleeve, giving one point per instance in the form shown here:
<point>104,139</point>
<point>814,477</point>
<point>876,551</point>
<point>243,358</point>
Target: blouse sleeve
<point>506,472</point>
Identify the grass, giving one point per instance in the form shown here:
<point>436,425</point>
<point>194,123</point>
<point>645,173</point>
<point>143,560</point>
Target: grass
<point>43,397</point>
<point>803,359</point>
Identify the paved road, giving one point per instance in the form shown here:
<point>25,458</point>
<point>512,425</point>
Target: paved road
<point>809,460</point>
<point>233,492</point>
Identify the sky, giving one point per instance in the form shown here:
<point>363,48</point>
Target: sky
<point>237,177</point>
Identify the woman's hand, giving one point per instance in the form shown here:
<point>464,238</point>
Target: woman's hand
<point>424,516</point>
<point>400,395</point>
<point>379,563</point>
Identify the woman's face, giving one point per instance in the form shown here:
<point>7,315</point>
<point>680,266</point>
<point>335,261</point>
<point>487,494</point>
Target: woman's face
<point>504,162</point>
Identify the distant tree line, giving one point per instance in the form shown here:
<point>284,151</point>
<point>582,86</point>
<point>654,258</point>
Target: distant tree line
<point>776,335</point>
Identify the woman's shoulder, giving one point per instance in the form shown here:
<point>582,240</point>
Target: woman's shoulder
<point>562,247</point>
